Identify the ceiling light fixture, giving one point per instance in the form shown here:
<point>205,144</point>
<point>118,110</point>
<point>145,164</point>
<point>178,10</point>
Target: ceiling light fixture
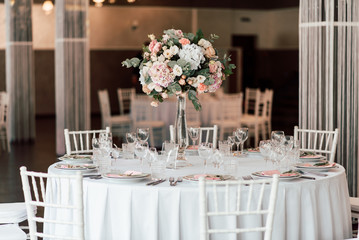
<point>47,6</point>
<point>131,1</point>
<point>98,3</point>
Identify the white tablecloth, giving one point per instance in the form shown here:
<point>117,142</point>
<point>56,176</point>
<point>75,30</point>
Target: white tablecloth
<point>305,209</point>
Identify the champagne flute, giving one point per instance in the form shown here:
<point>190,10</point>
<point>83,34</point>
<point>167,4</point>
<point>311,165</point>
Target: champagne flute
<point>142,134</point>
<point>141,151</point>
<point>232,141</point>
<point>194,134</point>
<point>238,136</point>
<point>244,136</point>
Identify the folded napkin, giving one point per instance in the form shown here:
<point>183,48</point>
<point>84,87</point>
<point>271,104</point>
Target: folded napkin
<point>192,147</point>
<point>272,172</point>
<point>132,173</point>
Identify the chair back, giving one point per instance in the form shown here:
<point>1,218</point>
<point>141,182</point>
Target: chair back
<point>78,142</point>
<point>318,141</point>
<point>231,107</point>
<point>142,109</point>
<point>267,101</point>
<point>206,134</point>
<point>4,103</point>
<point>245,200</point>
<point>124,97</point>
<point>252,101</point>
<point>104,107</point>
<point>50,192</point>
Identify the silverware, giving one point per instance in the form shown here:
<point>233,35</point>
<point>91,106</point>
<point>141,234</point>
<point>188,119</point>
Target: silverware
<point>161,181</point>
<point>92,175</point>
<point>179,179</point>
<point>171,180</point>
<point>306,177</point>
<point>96,177</point>
<point>155,182</point>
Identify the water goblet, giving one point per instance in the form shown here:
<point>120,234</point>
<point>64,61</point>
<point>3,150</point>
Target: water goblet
<point>193,134</point>
<point>142,134</point>
<point>243,132</point>
<point>277,136</point>
<point>141,151</point>
<point>131,137</point>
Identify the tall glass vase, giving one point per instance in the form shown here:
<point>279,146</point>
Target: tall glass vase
<point>181,127</point>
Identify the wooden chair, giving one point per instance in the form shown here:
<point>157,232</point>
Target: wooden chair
<point>45,192</point>
<point>253,116</point>
<point>119,124</point>
<point>267,100</point>
<point>4,122</point>
<point>230,114</point>
<point>124,99</point>
<point>240,198</point>
<point>318,141</point>
<point>142,117</point>
<point>79,142</point>
<point>206,134</point>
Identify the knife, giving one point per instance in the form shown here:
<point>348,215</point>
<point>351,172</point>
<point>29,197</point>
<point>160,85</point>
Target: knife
<point>156,182</point>
<point>306,177</point>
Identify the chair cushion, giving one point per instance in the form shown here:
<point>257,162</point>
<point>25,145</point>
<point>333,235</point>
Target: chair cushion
<point>354,203</point>
<point>12,212</point>
<point>11,232</point>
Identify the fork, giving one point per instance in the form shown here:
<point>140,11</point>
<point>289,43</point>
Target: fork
<point>179,179</point>
<point>171,180</point>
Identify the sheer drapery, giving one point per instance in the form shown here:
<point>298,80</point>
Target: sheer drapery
<point>329,68</point>
<point>72,69</point>
<point>20,70</point>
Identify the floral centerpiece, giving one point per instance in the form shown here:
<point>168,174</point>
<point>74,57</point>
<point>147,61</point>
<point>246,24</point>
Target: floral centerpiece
<point>179,63</point>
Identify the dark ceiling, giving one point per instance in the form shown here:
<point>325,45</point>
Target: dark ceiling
<point>236,4</point>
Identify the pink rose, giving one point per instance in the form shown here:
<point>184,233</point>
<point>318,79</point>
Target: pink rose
<point>184,41</point>
<point>213,67</point>
<point>202,88</point>
<point>179,33</point>
<point>155,46</point>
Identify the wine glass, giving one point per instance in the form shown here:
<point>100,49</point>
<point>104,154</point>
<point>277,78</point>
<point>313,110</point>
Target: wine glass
<point>237,139</point>
<point>232,141</point>
<point>142,134</point>
<point>243,132</point>
<point>193,134</point>
<point>204,152</point>
<point>265,149</point>
<point>131,137</point>
<point>141,150</point>
<point>152,155</point>
<point>277,136</point>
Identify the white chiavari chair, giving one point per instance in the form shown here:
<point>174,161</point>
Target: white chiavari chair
<point>253,116</point>
<point>80,142</point>
<point>230,114</point>
<point>11,214</point>
<point>143,117</point>
<point>318,141</point>
<point>46,191</point>
<point>267,99</point>
<point>239,198</point>
<point>124,99</point>
<point>119,124</point>
<point>206,135</point>
<point>4,123</point>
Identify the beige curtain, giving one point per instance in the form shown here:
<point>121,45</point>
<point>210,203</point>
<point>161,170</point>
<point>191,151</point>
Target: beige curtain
<point>329,75</point>
<point>72,69</point>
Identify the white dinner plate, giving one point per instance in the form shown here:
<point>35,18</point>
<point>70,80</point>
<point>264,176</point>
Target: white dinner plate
<point>214,177</point>
<point>76,158</point>
<point>76,167</point>
<point>314,167</point>
<point>260,174</point>
<point>121,177</point>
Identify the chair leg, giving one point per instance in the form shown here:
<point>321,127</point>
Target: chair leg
<point>256,135</point>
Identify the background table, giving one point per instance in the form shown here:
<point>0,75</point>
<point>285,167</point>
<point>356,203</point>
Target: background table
<point>305,209</point>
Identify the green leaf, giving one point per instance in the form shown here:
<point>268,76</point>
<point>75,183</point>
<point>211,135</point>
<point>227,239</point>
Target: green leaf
<point>199,35</point>
<point>182,63</point>
<point>177,87</point>
<point>192,95</point>
<point>209,81</point>
<point>190,36</point>
<point>204,72</point>
<point>133,62</point>
<point>197,105</point>
<point>171,64</point>
<point>148,80</point>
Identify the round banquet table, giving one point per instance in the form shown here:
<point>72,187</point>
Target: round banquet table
<point>306,209</point>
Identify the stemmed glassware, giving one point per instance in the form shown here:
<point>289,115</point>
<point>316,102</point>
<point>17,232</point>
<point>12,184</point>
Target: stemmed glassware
<point>142,134</point>
<point>131,137</point>
<point>237,139</point>
<point>141,150</point>
<point>265,147</point>
<point>204,152</point>
<point>232,141</point>
<point>277,136</point>
<point>193,134</point>
<point>242,135</point>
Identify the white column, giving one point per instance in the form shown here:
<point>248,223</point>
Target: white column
<point>329,73</point>
<point>20,70</point>
<point>72,69</point>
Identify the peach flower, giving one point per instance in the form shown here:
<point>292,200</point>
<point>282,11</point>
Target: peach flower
<point>210,52</point>
<point>145,89</point>
<point>202,88</point>
<point>182,82</point>
<point>184,41</point>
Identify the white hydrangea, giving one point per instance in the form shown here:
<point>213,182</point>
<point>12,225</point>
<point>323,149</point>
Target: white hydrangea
<point>143,74</point>
<point>167,54</point>
<point>174,49</point>
<point>177,70</point>
<point>193,54</point>
<point>161,58</point>
<point>201,78</point>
